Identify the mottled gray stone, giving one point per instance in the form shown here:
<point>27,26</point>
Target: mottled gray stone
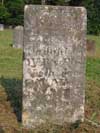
<point>54,65</point>
<point>18,37</point>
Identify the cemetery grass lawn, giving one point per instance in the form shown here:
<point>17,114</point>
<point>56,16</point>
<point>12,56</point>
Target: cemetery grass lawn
<point>11,93</point>
<point>10,58</point>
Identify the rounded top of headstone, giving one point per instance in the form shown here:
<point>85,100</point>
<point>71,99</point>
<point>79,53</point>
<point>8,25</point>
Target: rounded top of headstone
<point>19,27</point>
<point>1,24</point>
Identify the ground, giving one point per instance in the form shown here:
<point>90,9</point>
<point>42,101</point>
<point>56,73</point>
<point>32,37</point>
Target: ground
<point>11,93</point>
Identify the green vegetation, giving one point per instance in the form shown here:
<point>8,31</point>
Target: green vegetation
<point>11,92</point>
<point>93,83</point>
<point>11,74</point>
<point>10,58</point>
<point>93,63</point>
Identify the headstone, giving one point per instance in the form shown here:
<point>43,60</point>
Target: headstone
<point>1,27</point>
<point>10,27</point>
<point>91,47</point>
<point>43,2</point>
<point>18,37</point>
<point>53,65</point>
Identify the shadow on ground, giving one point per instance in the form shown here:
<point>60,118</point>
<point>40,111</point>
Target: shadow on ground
<point>1,130</point>
<point>13,88</point>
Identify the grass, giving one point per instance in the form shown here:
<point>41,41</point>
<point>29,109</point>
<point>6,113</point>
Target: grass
<point>97,41</point>
<point>10,58</point>
<point>93,69</point>
<point>11,84</point>
<point>93,63</point>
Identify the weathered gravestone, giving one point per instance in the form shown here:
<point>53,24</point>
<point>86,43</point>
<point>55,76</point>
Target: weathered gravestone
<point>18,37</point>
<point>54,65</point>
<point>1,27</point>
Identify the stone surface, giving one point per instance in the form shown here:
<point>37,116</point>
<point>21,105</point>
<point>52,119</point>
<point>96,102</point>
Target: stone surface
<point>18,37</point>
<point>1,27</point>
<point>53,65</point>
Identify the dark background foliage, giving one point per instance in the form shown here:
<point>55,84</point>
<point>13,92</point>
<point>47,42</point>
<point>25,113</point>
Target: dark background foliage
<point>11,11</point>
